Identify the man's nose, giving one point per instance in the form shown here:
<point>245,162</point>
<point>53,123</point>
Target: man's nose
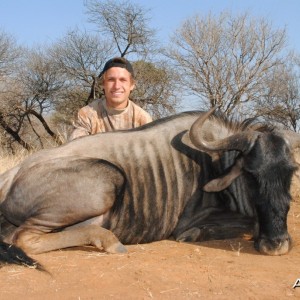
<point>117,83</point>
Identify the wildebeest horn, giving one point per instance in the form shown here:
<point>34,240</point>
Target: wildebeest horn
<point>210,134</point>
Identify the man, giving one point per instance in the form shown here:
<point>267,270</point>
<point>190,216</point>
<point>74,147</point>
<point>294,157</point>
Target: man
<point>115,111</point>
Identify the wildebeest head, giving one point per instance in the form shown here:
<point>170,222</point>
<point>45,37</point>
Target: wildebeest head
<point>266,162</point>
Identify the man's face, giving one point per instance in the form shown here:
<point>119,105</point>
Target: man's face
<point>117,85</point>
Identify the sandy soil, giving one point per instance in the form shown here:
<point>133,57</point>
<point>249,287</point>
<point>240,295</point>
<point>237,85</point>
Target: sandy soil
<point>229,269</point>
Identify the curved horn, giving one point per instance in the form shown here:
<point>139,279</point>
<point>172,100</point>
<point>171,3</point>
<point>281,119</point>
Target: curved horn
<point>211,135</point>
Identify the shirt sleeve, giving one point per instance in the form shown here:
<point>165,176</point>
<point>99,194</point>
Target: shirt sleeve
<point>82,125</point>
<point>144,117</point>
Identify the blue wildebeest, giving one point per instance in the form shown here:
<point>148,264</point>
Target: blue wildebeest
<point>193,177</point>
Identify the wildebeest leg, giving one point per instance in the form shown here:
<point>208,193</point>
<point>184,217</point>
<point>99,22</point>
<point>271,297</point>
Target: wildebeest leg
<point>217,225</point>
<point>45,204</point>
<point>34,242</point>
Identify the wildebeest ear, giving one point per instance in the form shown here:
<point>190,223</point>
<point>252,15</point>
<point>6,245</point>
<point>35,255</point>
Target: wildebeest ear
<point>222,182</point>
<point>292,138</point>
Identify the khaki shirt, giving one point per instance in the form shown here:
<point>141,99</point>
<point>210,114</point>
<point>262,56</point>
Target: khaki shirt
<point>97,117</point>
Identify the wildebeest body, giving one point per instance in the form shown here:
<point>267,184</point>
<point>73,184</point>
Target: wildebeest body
<point>150,183</point>
<point>154,183</point>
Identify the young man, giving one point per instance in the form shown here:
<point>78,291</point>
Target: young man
<point>115,111</point>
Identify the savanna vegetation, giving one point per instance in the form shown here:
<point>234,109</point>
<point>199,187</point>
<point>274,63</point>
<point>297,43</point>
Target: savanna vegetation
<point>238,62</point>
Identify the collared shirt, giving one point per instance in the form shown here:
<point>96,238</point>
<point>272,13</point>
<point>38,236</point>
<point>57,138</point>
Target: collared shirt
<point>97,117</point>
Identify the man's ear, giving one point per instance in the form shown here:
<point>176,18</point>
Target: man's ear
<point>133,83</point>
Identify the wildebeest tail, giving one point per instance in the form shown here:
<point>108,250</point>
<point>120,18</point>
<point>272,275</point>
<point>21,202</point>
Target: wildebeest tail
<point>10,254</point>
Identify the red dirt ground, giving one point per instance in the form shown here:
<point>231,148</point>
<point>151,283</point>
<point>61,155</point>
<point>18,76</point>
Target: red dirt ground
<point>229,269</point>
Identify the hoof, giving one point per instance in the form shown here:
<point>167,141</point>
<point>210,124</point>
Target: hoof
<point>116,248</point>
<point>191,235</point>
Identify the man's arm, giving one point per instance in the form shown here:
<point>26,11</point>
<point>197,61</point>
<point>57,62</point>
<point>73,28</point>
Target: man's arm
<point>143,117</point>
<point>82,125</point>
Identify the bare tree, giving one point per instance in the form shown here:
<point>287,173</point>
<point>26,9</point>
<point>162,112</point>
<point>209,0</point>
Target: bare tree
<point>226,60</point>
<point>27,100</point>
<point>10,58</point>
<point>281,102</point>
<point>81,57</point>
<point>156,89</point>
<point>9,54</point>
<point>125,23</point>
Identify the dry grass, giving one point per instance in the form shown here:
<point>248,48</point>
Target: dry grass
<point>7,161</point>
<point>295,191</point>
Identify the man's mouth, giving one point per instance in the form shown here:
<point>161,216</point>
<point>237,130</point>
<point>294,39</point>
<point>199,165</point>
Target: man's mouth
<point>117,93</point>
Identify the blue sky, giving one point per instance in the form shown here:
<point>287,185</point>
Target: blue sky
<point>39,22</point>
<point>34,22</point>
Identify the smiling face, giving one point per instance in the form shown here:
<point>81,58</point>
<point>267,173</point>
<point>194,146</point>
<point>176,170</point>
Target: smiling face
<point>117,85</point>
